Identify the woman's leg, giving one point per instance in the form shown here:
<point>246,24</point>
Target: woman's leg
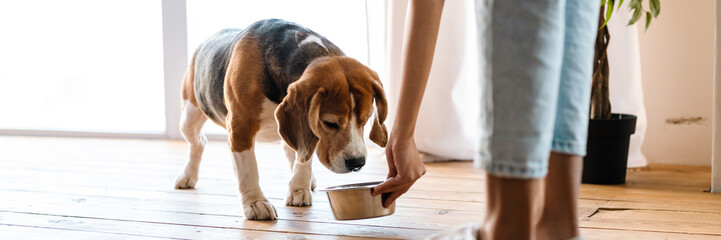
<point>527,53</point>
<point>514,207</point>
<point>528,41</point>
<point>560,217</point>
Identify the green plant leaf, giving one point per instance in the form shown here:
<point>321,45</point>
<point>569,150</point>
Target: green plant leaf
<point>609,11</point>
<point>632,3</point>
<point>655,6</point>
<point>635,4</point>
<point>648,21</point>
<point>620,3</point>
<point>603,2</point>
<point>604,24</point>
<point>636,16</point>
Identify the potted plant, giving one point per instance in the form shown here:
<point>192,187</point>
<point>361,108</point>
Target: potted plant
<point>609,133</point>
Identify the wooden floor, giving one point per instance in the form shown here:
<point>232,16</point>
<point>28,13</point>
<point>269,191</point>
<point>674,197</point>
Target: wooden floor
<point>60,188</point>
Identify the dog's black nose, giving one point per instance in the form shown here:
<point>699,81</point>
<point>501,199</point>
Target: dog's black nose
<point>355,164</point>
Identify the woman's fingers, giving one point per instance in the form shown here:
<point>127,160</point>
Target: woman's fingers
<point>394,195</point>
<point>390,185</point>
<point>394,187</point>
<point>385,187</point>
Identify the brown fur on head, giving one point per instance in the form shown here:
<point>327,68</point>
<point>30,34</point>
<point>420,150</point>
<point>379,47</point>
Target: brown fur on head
<point>326,109</point>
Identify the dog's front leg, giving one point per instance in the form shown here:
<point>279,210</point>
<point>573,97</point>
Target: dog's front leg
<point>255,205</point>
<point>240,138</point>
<point>290,154</point>
<point>243,97</point>
<point>299,189</point>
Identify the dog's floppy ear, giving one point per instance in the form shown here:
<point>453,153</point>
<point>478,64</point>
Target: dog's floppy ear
<point>297,116</point>
<point>314,111</point>
<point>379,133</point>
<point>366,82</point>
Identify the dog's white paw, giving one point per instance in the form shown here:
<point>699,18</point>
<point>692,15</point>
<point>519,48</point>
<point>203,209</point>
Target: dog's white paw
<point>186,181</point>
<point>299,197</point>
<point>260,210</point>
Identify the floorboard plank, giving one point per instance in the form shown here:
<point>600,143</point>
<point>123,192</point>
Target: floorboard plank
<point>140,218</point>
<point>15,231</point>
<point>147,228</point>
<point>606,234</point>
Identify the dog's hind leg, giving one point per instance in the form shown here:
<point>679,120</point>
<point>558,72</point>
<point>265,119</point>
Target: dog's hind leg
<point>191,124</point>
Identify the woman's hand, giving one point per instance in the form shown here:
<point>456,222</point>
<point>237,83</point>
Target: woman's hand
<point>404,162</point>
<point>404,168</point>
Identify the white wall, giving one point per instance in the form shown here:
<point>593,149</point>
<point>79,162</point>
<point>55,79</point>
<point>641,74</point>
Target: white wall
<point>677,55</point>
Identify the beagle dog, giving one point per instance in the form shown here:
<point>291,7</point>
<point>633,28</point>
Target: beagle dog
<point>278,80</point>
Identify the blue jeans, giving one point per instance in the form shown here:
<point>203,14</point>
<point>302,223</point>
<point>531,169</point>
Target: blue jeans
<point>538,82</point>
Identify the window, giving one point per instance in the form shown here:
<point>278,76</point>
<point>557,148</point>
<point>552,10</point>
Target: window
<point>82,65</point>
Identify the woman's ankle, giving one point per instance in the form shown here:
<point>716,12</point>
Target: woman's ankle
<point>557,227</point>
<point>517,206</point>
<point>511,228</point>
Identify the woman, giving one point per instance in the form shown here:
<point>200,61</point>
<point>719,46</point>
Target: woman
<point>541,55</point>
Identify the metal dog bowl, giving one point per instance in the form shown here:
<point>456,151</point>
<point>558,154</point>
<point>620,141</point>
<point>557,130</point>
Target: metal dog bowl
<point>354,201</point>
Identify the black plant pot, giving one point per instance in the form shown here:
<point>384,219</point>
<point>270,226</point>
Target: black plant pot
<point>607,150</point>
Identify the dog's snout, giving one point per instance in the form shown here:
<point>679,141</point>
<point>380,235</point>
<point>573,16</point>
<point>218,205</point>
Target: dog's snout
<point>355,164</point>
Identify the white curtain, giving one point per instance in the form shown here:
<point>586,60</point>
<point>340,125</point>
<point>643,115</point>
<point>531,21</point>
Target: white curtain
<point>448,118</point>
<point>625,89</point>
<point>447,127</point>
